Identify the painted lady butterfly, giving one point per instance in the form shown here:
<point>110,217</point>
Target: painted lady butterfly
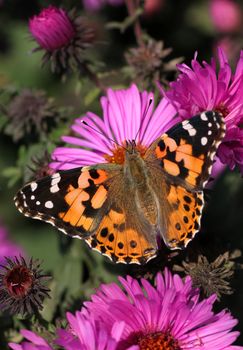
<point>119,209</point>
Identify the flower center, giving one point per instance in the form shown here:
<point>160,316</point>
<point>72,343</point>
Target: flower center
<point>222,109</point>
<point>18,281</point>
<point>118,154</point>
<point>158,341</point>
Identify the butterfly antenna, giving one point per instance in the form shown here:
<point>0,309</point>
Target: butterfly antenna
<point>101,133</point>
<point>144,115</point>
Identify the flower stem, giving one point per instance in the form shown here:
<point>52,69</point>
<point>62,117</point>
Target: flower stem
<point>132,5</point>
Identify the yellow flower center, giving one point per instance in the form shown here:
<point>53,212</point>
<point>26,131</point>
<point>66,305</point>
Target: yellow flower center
<point>118,154</point>
<point>158,341</point>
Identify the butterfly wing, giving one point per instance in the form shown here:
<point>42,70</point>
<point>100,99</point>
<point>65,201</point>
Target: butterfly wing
<point>72,200</point>
<point>90,203</point>
<point>121,242</point>
<point>185,155</point>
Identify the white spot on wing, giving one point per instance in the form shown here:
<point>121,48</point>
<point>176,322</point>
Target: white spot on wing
<point>192,132</point>
<point>54,183</point>
<point>32,197</point>
<point>33,186</point>
<point>49,204</point>
<point>190,129</point>
<point>186,125</point>
<point>204,116</point>
<point>204,141</point>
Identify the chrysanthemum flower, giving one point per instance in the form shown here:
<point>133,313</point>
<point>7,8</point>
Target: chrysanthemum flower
<point>35,342</point>
<point>201,88</point>
<point>85,333</point>
<point>22,286</point>
<point>126,113</point>
<point>7,247</point>
<point>63,36</point>
<point>169,316</point>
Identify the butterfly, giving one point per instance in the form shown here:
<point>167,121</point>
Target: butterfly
<point>120,210</point>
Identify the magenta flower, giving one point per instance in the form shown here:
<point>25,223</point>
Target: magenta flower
<point>63,37</point>
<point>226,15</point>
<point>126,113</point>
<point>85,333</point>
<point>82,333</point>
<point>140,316</point>
<point>94,5</point>
<point>35,342</point>
<point>52,28</point>
<point>168,316</point>
<point>7,247</point>
<point>201,88</point>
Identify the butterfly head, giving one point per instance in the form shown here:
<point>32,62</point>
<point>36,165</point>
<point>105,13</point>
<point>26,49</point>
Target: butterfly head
<point>131,147</point>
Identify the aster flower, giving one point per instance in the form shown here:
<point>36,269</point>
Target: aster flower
<point>30,112</point>
<point>201,88</point>
<point>87,334</point>
<point>125,113</point>
<point>82,333</point>
<point>22,286</point>
<point>63,36</point>
<point>149,63</point>
<point>168,316</point>
<point>226,15</point>
<point>94,5</point>
<point>7,247</point>
<point>35,342</point>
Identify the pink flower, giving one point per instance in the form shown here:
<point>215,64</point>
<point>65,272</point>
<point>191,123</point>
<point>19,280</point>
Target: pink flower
<point>52,28</point>
<point>82,333</point>
<point>94,5</point>
<point>35,342</point>
<point>226,15</point>
<point>152,7</point>
<point>85,333</point>
<point>7,247</point>
<point>169,314</point>
<point>201,88</point>
<point>63,38</point>
<point>140,316</point>
<point>126,113</point>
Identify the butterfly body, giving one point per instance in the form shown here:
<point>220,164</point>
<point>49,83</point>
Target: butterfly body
<point>120,209</point>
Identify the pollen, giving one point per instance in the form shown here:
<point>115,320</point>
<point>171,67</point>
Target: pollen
<point>158,341</point>
<point>118,154</point>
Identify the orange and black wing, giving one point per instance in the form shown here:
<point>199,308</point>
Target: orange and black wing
<point>72,200</point>
<point>186,152</point>
<point>182,160</point>
<point>88,203</point>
